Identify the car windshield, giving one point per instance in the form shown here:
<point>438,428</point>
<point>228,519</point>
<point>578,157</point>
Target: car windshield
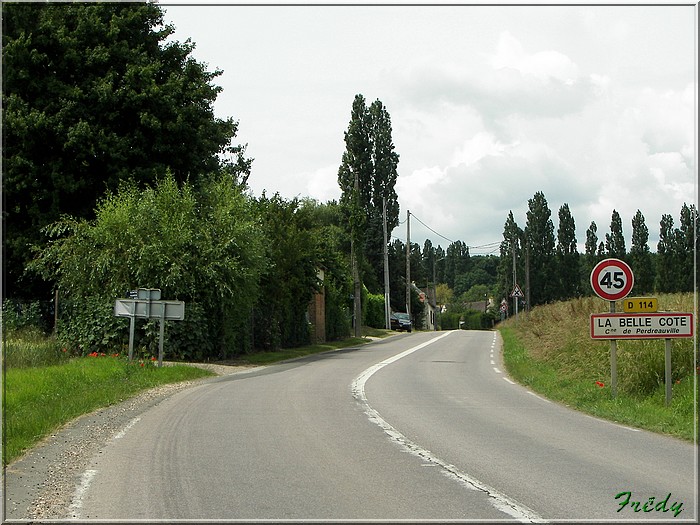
<point>405,317</point>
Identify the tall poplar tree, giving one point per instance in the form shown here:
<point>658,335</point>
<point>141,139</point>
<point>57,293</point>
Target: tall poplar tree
<point>640,256</point>
<point>509,267</point>
<point>539,243</point>
<point>666,256</point>
<point>370,160</point>
<point>686,245</point>
<point>615,240</point>
<point>567,256</point>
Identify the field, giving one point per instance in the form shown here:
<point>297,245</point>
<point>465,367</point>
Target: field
<point>550,351</point>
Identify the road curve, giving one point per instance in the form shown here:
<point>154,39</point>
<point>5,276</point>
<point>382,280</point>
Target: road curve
<point>415,427</point>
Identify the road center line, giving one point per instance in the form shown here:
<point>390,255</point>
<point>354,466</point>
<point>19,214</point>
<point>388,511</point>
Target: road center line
<point>500,501</point>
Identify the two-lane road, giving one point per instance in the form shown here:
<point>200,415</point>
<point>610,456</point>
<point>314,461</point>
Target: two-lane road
<point>416,427</point>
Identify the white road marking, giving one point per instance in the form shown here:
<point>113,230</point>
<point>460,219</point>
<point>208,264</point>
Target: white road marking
<point>85,480</point>
<point>124,430</point>
<point>493,362</point>
<point>497,499</point>
<point>506,379</point>
<point>497,370</point>
<point>80,490</point>
<point>538,397</point>
<point>613,423</point>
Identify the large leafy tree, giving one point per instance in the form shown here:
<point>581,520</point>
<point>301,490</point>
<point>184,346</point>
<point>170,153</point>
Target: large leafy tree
<point>93,94</point>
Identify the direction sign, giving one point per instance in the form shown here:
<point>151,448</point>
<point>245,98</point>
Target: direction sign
<point>660,325</point>
<point>612,279</point>
<point>174,310</point>
<point>640,304</point>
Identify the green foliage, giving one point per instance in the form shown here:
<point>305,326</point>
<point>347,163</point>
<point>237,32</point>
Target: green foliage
<point>615,240</point>
<point>29,347</point>
<point>539,238</point>
<point>18,315</point>
<point>373,312</point>
<point>370,160</point>
<point>202,246</point>
<point>94,95</point>
<point>640,257</point>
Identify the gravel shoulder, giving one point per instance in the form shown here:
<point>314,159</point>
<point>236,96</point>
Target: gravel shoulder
<point>41,484</point>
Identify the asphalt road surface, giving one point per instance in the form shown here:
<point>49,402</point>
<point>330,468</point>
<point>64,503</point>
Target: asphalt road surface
<point>417,427</point>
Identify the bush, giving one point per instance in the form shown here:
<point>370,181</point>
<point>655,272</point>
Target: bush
<point>374,314</point>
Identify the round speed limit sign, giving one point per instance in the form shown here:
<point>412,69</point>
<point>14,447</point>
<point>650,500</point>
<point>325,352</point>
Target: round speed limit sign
<point>612,279</point>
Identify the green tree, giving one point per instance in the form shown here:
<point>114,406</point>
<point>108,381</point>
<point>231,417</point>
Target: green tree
<point>615,240</point>
<point>591,257</point>
<point>94,95</point>
<point>666,250</point>
<point>539,244</point>
<point>640,256</point>
<point>510,268</point>
<point>370,162</point>
<point>296,254</point>
<point>567,257</point>
<point>686,247</point>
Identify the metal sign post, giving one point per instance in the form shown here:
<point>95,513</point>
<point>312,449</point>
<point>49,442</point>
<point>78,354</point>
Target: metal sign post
<point>145,303</point>
<point>612,279</point>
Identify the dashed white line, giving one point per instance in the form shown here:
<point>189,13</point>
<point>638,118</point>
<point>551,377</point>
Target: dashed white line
<point>497,499</point>
<point>506,379</point>
<point>497,370</point>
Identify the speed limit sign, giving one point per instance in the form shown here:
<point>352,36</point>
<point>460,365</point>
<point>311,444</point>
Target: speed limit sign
<point>612,279</point>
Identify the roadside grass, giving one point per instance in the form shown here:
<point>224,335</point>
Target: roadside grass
<point>37,400</point>
<point>550,351</point>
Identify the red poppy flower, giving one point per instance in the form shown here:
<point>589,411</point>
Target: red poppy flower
<point>600,384</point>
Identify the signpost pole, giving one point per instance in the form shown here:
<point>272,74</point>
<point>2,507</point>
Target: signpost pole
<point>162,334</point>
<point>668,372</point>
<point>132,327</point>
<point>613,359</point>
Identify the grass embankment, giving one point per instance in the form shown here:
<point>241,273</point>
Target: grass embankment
<point>44,388</point>
<point>550,351</point>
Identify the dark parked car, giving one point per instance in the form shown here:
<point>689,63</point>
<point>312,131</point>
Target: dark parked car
<point>401,321</point>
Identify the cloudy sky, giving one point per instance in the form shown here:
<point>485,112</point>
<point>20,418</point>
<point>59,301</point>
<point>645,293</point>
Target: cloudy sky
<point>595,106</point>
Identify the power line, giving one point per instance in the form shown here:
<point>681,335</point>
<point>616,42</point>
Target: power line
<point>488,245</point>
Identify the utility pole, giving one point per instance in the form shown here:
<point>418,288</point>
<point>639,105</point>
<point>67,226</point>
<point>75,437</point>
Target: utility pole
<point>408,262</point>
<point>515,279</point>
<point>357,299</point>
<point>387,307</point>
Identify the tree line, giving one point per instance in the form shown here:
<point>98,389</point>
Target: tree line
<point>548,266</point>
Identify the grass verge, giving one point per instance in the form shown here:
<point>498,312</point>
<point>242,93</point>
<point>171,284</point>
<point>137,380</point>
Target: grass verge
<point>551,353</point>
<point>38,400</point>
<point>266,358</point>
